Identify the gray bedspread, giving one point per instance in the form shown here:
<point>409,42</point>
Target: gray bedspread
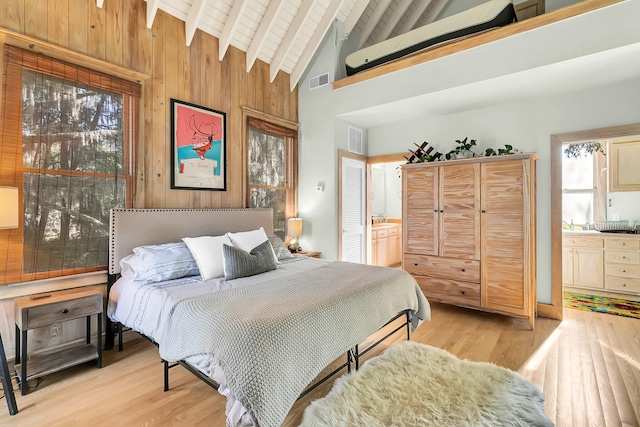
<point>272,339</point>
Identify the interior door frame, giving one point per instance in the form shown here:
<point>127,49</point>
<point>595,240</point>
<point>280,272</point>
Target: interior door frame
<point>554,310</point>
<point>371,160</point>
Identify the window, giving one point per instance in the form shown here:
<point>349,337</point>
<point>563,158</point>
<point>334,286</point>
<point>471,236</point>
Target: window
<point>272,170</point>
<point>583,188</point>
<point>67,134</point>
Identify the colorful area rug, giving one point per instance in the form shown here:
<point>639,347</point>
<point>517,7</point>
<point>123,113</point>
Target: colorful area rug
<point>617,306</point>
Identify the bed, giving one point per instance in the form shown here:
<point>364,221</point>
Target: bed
<point>492,14</point>
<point>260,339</point>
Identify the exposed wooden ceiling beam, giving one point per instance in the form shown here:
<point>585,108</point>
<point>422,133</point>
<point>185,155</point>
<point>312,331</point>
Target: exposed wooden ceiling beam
<point>372,22</point>
<point>314,42</point>
<point>193,20</point>
<point>419,7</point>
<point>263,30</point>
<point>289,38</point>
<point>99,3</point>
<point>434,11</point>
<point>230,27</point>
<point>393,21</point>
<point>354,16</point>
<point>152,9</point>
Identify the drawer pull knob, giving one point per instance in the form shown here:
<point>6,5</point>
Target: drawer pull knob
<point>415,263</point>
<point>624,271</point>
<point>462,292</point>
<point>65,310</point>
<point>624,284</point>
<point>484,211</point>
<point>464,269</point>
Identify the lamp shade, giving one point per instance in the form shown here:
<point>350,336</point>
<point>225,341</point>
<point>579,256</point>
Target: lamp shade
<point>295,227</point>
<point>8,207</point>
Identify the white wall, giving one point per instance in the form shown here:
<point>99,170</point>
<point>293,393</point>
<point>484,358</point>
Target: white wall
<point>525,122</point>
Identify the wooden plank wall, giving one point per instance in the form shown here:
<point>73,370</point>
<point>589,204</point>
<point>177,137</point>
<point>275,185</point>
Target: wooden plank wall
<point>117,34</point>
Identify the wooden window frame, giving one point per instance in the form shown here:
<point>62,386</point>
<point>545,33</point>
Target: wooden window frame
<point>278,126</point>
<point>12,170</point>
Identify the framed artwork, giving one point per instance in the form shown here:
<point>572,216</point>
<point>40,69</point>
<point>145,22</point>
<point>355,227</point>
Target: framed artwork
<point>198,147</point>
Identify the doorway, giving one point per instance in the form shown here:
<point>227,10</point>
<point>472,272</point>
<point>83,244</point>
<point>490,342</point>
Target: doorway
<point>554,310</point>
<point>384,210</point>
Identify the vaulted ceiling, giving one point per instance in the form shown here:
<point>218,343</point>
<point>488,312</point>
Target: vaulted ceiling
<point>286,33</point>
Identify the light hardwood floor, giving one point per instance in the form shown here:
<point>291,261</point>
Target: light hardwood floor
<point>587,366</point>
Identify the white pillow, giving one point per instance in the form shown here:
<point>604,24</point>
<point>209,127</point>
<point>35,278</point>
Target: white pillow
<point>207,251</point>
<point>249,240</point>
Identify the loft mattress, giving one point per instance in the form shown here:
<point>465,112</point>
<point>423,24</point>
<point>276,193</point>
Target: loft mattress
<point>493,14</point>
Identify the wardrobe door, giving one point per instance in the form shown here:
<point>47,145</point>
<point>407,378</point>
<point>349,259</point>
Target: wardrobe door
<point>420,210</point>
<point>504,237</point>
<point>459,220</point>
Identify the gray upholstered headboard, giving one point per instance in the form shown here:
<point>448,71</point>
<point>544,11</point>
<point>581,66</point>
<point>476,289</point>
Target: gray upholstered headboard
<point>135,227</point>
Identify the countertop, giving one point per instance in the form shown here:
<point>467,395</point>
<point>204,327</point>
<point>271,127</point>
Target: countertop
<point>596,233</point>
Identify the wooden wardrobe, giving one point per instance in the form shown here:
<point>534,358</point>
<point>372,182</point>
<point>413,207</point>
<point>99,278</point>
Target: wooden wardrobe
<point>469,234</point>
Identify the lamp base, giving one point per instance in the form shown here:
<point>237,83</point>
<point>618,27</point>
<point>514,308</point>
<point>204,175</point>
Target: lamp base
<point>294,244</point>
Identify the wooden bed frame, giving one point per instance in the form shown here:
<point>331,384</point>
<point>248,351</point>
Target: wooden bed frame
<point>130,228</point>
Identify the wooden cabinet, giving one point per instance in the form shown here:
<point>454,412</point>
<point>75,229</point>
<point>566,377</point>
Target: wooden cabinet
<point>624,157</point>
<point>469,232</point>
<point>622,265</point>
<point>395,245</point>
<point>48,309</point>
<point>386,245</point>
<point>602,262</point>
<point>583,266</point>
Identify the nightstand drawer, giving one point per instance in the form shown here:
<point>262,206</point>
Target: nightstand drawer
<point>47,314</point>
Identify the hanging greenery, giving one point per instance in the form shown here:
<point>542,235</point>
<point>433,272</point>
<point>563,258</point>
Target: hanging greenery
<point>583,149</point>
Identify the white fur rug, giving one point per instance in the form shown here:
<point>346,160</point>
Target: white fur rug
<point>413,384</point>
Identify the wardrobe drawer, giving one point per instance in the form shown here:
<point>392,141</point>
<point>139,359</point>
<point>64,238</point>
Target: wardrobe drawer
<point>449,268</point>
<point>622,257</point>
<point>622,284</point>
<point>622,270</point>
<point>450,291</point>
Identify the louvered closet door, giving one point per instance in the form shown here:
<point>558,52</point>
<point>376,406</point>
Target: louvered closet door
<point>420,210</point>
<point>503,236</point>
<point>353,210</point>
<point>460,211</point>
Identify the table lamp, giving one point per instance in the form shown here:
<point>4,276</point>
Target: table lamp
<point>295,231</point>
<point>8,207</point>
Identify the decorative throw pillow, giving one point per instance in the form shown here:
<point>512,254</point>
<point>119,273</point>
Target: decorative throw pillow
<point>207,251</point>
<point>239,263</point>
<point>156,263</point>
<point>247,240</point>
<point>279,248</point>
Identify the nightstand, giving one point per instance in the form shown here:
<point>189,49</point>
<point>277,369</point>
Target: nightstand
<point>47,309</point>
<point>310,254</point>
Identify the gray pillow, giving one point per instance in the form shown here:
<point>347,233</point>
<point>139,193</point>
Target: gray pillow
<point>279,248</point>
<point>239,263</point>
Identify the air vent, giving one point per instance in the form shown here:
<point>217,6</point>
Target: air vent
<point>319,81</point>
<point>354,140</point>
